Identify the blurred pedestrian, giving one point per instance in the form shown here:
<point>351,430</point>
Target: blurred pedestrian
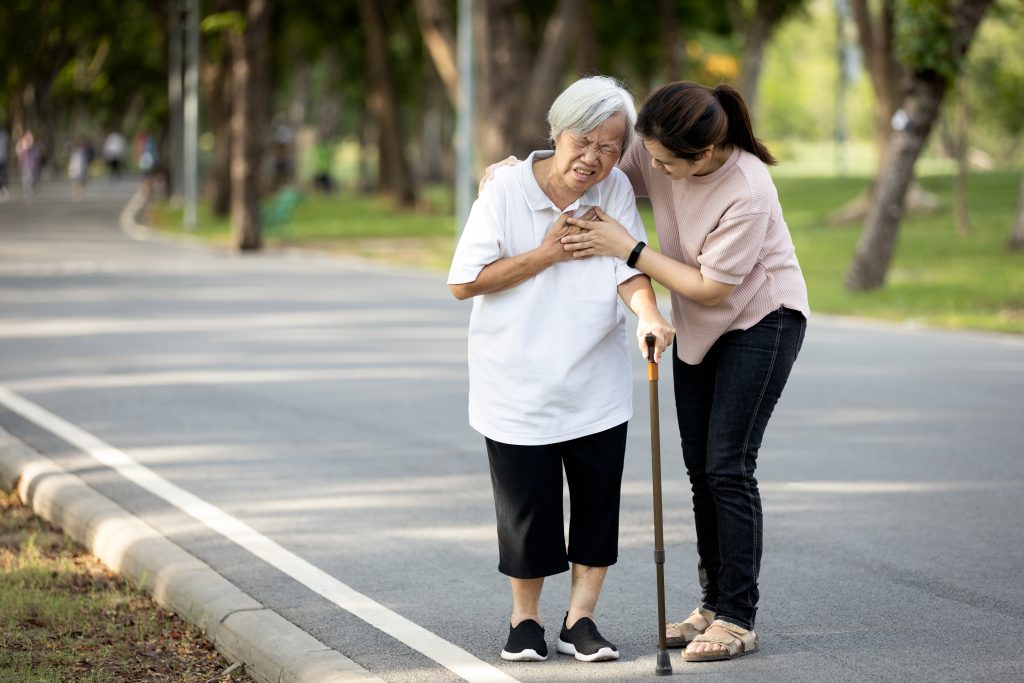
<point>114,149</point>
<point>78,169</point>
<point>27,151</point>
<point>283,139</point>
<point>5,143</point>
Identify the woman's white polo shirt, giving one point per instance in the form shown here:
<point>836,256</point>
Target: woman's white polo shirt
<point>548,358</point>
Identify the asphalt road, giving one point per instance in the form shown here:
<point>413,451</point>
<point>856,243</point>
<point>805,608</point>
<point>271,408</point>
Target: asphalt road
<point>322,402</point>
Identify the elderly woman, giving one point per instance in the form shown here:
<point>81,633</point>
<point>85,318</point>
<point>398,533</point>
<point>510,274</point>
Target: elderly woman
<point>549,369</point>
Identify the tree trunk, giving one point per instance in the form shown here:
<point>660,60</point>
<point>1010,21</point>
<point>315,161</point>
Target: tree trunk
<point>516,92</point>
<point>547,73</point>
<point>755,27</point>
<point>585,47</point>
<point>250,75</point>
<point>435,25</point>
<point>502,81</point>
<point>876,42</point>
<point>672,42</point>
<point>217,82</point>
<point>963,223</point>
<point>1016,242</point>
<point>922,105</point>
<point>395,174</point>
<point>757,34</point>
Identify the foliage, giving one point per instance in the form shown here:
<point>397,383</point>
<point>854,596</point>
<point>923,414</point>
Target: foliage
<point>925,36</point>
<point>995,75</point>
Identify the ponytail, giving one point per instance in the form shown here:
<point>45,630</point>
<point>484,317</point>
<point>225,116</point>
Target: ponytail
<point>741,132</point>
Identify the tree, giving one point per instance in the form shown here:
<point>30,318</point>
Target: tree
<point>754,22</point>
<point>218,88</point>
<point>934,36</point>
<point>250,76</point>
<point>515,88</point>
<point>383,106</point>
<point>64,64</point>
<point>436,28</point>
<point>884,70</point>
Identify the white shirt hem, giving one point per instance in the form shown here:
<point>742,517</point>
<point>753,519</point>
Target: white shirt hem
<point>545,439</point>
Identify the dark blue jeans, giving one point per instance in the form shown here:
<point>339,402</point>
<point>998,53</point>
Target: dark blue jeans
<point>723,405</point>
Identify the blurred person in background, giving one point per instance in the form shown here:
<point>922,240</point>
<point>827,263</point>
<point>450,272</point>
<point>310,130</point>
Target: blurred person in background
<point>114,149</point>
<point>29,162</point>
<point>78,169</point>
<point>5,143</point>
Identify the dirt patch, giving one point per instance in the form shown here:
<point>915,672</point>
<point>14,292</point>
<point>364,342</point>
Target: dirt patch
<point>66,617</point>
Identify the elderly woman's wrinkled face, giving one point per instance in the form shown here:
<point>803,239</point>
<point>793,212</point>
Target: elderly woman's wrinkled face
<point>584,159</point>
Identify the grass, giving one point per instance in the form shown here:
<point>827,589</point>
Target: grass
<point>937,277</point>
<point>65,617</point>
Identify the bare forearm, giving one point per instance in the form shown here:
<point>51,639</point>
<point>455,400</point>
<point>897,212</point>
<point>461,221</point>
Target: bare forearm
<point>638,295</point>
<point>504,274</point>
<point>683,279</point>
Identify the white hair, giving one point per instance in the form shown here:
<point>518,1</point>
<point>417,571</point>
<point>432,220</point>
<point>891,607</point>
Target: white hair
<point>588,103</point>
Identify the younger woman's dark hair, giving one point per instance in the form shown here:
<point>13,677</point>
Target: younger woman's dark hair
<point>687,117</point>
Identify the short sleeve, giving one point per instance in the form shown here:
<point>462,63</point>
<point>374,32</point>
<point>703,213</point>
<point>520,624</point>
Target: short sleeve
<point>622,207</point>
<point>481,241</point>
<point>633,163</point>
<point>732,249</point>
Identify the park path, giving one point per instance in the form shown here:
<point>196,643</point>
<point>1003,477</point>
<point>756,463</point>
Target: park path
<point>321,402</point>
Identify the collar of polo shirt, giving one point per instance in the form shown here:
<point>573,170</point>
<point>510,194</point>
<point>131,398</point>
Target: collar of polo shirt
<point>535,196</point>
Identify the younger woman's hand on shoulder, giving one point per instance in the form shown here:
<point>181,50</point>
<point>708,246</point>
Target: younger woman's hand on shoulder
<point>602,236</point>
<point>489,173</point>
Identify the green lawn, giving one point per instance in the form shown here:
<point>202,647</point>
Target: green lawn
<point>937,277</point>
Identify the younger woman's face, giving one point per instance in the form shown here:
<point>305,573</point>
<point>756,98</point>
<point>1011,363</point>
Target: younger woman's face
<point>665,161</point>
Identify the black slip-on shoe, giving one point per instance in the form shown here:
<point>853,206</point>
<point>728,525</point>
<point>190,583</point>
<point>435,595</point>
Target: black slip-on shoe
<point>585,642</point>
<point>525,643</point>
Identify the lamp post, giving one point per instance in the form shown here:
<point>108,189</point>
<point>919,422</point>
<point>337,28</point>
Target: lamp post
<point>464,123</point>
<point>191,117</point>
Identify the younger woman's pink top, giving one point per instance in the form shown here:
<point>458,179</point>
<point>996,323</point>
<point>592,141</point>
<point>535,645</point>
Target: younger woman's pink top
<point>729,224</point>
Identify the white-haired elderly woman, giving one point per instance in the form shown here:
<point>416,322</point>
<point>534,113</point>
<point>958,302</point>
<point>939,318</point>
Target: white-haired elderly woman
<point>549,367</point>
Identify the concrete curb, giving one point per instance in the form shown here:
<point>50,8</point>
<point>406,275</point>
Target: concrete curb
<point>273,649</point>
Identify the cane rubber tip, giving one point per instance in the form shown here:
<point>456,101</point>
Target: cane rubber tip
<point>664,665</point>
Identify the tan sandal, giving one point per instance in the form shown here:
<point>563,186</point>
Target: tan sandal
<point>683,632</point>
<point>740,642</point>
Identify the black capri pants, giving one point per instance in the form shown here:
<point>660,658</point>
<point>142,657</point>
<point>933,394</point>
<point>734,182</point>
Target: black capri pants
<point>527,482</point>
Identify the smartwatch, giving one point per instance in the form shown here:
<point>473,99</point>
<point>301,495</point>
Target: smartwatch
<point>635,254</point>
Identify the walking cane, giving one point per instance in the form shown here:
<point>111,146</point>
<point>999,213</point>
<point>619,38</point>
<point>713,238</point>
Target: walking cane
<point>663,666</point>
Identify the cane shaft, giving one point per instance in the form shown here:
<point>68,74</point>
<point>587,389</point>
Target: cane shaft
<point>659,541</point>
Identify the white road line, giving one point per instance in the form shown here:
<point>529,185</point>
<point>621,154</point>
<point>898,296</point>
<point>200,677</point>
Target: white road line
<point>453,658</point>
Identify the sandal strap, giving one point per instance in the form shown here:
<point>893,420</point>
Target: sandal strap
<point>708,615</point>
<point>705,614</point>
<point>746,637</point>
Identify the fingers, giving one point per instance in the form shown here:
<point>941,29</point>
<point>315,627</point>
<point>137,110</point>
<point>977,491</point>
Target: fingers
<point>576,238</point>
<point>489,171</point>
<point>582,223</point>
<point>663,336</point>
